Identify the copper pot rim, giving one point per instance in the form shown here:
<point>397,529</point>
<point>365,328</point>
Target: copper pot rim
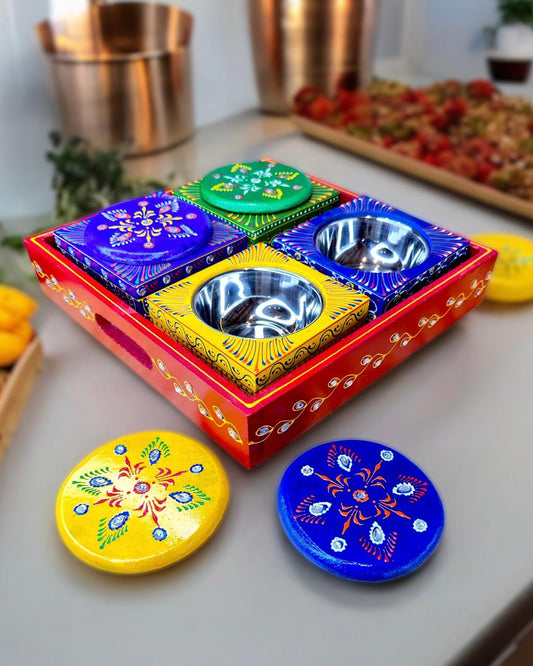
<point>49,32</point>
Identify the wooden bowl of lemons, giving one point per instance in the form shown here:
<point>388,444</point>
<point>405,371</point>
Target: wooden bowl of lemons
<point>21,358</point>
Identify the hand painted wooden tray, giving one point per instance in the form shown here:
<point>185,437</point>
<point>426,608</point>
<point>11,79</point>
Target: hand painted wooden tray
<point>416,168</point>
<point>252,428</point>
<point>15,392</point>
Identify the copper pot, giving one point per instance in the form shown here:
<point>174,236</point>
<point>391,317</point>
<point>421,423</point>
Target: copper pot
<point>325,43</point>
<point>121,75</point>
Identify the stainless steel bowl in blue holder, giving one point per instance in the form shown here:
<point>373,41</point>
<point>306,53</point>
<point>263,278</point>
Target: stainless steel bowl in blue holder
<point>379,250</point>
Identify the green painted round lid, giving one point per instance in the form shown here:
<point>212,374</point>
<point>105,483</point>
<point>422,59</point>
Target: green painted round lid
<point>255,187</point>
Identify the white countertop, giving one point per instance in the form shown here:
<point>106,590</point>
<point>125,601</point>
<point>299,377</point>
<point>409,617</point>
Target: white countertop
<point>460,408</point>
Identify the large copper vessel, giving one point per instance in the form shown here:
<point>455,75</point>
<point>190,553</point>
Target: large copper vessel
<point>121,75</point>
<point>326,43</point>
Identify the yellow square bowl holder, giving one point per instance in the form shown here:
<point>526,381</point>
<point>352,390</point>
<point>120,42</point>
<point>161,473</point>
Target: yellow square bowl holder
<point>249,362</point>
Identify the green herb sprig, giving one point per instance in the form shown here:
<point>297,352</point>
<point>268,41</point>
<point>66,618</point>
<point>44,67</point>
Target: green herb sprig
<point>516,11</point>
<point>85,180</point>
<point>88,179</point>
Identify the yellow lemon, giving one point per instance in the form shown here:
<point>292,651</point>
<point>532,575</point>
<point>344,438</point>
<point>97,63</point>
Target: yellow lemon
<point>142,502</point>
<point>512,279</point>
<point>11,347</point>
<point>8,320</point>
<point>17,302</point>
<point>24,331</point>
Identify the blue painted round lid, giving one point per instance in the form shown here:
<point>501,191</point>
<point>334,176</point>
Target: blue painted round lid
<point>360,510</point>
<point>149,230</point>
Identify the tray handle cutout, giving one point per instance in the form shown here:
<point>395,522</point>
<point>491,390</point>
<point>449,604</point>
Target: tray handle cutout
<point>124,341</point>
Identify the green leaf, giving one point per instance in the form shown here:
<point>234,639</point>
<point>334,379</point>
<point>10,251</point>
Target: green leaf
<point>85,180</point>
<point>516,11</point>
<point>55,138</point>
<point>88,179</point>
<point>13,242</point>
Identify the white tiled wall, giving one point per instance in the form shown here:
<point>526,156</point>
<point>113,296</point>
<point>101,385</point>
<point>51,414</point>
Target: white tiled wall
<point>447,39</point>
<point>26,112</point>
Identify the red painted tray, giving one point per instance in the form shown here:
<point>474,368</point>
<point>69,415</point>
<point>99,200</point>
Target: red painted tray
<point>253,428</point>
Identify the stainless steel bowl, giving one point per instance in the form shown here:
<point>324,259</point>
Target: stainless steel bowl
<point>372,244</point>
<point>258,303</point>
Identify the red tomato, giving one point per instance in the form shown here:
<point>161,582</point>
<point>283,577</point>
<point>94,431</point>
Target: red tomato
<point>306,95</point>
<point>421,97</point>
<point>304,98</point>
<point>433,142</point>
<point>484,170</point>
<point>347,99</point>
<point>478,148</point>
<point>430,159</point>
<point>455,109</point>
<point>408,96</point>
<point>320,108</point>
<point>444,157</point>
<point>481,88</point>
<point>425,138</point>
<point>439,120</point>
<point>443,143</point>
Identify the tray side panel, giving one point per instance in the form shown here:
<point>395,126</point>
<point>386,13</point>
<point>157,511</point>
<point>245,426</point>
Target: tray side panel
<point>353,366</point>
<point>129,337</point>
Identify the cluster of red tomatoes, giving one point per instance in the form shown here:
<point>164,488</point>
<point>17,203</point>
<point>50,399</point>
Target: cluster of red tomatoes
<point>467,128</point>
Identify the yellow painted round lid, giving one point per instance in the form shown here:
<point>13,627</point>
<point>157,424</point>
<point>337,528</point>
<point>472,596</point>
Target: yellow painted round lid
<point>512,279</point>
<point>142,502</point>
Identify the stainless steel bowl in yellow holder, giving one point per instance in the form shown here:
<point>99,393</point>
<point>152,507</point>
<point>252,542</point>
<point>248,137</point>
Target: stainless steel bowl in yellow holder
<point>258,303</point>
<point>257,315</point>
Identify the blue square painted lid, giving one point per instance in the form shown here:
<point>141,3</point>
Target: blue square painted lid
<point>148,230</point>
<point>360,510</point>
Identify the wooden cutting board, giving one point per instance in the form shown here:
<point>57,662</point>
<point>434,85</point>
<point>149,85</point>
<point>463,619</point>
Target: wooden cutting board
<point>16,390</point>
<point>427,172</point>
